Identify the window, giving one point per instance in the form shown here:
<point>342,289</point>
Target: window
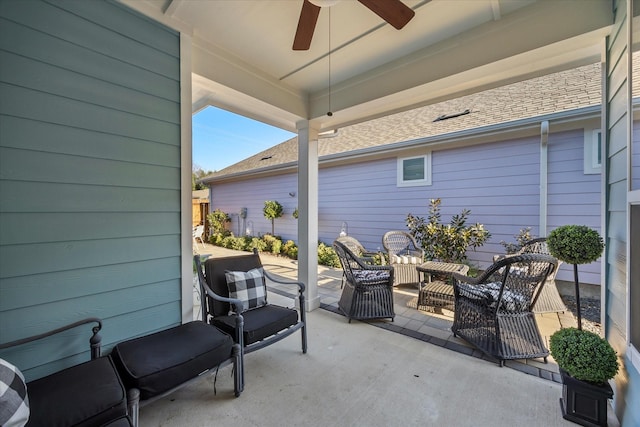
<point>414,171</point>
<point>592,151</point>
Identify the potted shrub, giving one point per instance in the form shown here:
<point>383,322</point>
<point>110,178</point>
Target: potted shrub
<point>587,362</point>
<point>575,244</point>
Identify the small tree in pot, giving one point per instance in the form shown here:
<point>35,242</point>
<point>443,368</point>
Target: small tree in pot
<point>586,363</point>
<point>272,210</point>
<point>575,244</point>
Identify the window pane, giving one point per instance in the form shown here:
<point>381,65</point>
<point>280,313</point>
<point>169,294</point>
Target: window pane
<point>413,169</point>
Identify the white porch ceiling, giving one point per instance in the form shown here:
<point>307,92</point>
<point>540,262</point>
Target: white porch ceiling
<point>242,58</point>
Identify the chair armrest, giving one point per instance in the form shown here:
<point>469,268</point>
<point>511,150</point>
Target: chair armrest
<point>274,278</point>
<point>94,342</point>
<point>204,286</point>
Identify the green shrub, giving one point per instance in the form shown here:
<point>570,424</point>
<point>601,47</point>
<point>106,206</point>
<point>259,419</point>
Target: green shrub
<point>216,239</point>
<point>218,222</point>
<point>327,256</point>
<point>575,244</point>
<point>521,238</point>
<point>257,243</point>
<point>448,243</point>
<point>584,355</point>
<point>290,249</point>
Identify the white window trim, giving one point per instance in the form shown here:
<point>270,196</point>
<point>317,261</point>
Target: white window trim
<point>416,182</point>
<point>591,146</point>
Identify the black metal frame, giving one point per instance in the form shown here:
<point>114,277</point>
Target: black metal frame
<point>208,311</point>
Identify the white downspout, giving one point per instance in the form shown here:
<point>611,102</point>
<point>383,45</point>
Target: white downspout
<point>544,155</point>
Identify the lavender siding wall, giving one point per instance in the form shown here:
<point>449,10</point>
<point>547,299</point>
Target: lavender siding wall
<point>573,197</point>
<point>499,183</point>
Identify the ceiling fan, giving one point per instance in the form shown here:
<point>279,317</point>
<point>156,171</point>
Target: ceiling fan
<point>394,12</point>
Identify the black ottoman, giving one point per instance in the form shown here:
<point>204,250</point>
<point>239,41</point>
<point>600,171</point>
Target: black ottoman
<point>159,362</point>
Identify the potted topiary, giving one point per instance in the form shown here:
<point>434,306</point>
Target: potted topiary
<point>587,362</point>
<point>575,244</point>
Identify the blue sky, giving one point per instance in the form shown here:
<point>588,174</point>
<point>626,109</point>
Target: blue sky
<point>221,138</point>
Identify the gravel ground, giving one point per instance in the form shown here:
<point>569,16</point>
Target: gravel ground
<point>590,309</point>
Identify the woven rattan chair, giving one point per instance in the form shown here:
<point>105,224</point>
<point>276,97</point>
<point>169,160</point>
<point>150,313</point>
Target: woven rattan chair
<point>368,290</point>
<point>356,247</point>
<point>549,300</point>
<point>404,255</point>
<point>494,311</point>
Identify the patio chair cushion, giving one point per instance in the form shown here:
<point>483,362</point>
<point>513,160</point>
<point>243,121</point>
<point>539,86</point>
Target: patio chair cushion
<point>247,286</point>
<point>488,293</point>
<point>259,323</point>
<point>88,394</point>
<point>405,259</point>
<point>161,361</point>
<point>371,275</point>
<point>14,403</point>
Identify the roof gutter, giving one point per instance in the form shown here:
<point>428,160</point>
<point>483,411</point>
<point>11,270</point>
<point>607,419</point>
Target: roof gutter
<point>544,156</point>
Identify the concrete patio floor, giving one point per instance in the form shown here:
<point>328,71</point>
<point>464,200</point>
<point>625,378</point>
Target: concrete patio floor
<point>407,372</point>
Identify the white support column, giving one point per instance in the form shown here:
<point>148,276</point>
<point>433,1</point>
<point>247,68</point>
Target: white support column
<point>186,240</point>
<point>308,212</point>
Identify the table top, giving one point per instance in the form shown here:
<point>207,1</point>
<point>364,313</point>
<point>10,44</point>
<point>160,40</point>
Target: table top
<point>442,267</point>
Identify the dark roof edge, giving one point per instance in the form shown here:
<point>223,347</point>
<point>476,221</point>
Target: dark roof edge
<point>560,117</point>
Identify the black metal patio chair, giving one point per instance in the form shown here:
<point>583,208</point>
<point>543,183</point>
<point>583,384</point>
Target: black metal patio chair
<point>494,311</point>
<point>234,291</point>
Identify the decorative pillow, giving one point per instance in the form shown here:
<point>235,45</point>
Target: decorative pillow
<point>489,292</point>
<point>249,287</point>
<point>14,402</point>
<point>371,275</point>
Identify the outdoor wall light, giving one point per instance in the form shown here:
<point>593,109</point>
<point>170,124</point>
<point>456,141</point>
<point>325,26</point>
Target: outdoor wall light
<point>344,230</point>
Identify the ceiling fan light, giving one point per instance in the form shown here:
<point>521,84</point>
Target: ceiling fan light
<point>324,3</point>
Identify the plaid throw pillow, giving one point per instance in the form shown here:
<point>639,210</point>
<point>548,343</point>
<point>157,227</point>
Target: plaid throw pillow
<point>249,287</point>
<point>14,403</point>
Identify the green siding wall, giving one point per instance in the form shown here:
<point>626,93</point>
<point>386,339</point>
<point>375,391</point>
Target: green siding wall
<point>89,176</point>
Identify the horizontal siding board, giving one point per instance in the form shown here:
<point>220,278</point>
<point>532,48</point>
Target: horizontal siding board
<point>17,260</point>
<point>35,105</point>
<point>44,227</point>
<point>61,24</point>
<point>124,21</point>
<point>23,72</point>
<point>19,196</point>
<point>41,288</point>
<point>22,165</point>
<point>121,301</point>
<point>27,135</point>
<point>38,46</point>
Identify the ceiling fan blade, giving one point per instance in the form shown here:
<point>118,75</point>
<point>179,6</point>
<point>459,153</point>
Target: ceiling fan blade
<point>394,12</point>
<point>306,26</point>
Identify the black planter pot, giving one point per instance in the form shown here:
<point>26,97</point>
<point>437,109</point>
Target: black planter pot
<point>584,403</point>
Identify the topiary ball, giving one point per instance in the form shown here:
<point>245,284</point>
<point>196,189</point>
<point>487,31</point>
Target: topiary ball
<point>575,244</point>
<point>584,355</point>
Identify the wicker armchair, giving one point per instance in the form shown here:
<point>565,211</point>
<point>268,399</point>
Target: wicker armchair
<point>549,300</point>
<point>368,290</point>
<point>494,311</point>
<point>404,255</point>
<point>356,247</point>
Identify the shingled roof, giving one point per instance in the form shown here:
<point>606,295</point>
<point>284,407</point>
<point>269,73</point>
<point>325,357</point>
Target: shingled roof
<point>554,93</point>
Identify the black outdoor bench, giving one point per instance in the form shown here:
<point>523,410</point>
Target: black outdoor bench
<point>109,390</point>
<point>88,394</point>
